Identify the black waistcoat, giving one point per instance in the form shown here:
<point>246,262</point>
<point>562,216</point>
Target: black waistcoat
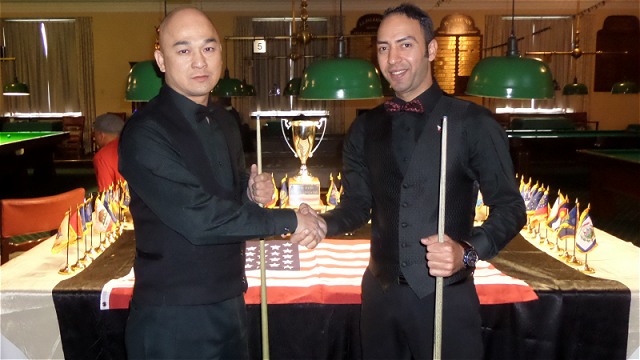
<point>172,270</point>
<point>405,208</point>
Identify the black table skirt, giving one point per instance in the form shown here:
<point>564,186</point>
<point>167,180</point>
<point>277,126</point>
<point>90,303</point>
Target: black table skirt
<point>576,316</point>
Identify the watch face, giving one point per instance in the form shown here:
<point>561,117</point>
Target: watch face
<point>470,258</point>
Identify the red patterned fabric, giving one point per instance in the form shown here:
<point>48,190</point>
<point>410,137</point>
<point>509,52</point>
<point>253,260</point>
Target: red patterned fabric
<point>412,106</point>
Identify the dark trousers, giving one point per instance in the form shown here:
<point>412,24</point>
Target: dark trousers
<point>215,331</point>
<point>396,324</point>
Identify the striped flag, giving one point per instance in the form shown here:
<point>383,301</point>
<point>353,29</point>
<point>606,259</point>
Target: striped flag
<point>329,274</point>
<point>558,211</point>
<point>540,213</point>
<point>534,201</point>
<point>530,194</point>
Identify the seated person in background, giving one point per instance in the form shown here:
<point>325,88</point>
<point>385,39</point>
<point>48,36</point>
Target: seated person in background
<point>106,132</point>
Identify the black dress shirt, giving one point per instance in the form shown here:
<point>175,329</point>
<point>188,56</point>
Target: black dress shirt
<point>157,172</point>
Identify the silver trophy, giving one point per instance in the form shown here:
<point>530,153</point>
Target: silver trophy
<point>303,188</point>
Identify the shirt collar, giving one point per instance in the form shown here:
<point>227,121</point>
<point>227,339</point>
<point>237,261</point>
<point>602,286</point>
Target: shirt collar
<point>189,109</point>
<point>429,98</point>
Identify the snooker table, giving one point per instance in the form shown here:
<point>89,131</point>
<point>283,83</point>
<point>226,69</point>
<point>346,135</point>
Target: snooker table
<point>24,150</point>
<point>613,171</point>
<point>533,150</point>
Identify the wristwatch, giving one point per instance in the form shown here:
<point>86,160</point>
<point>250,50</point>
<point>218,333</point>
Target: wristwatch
<point>470,257</point>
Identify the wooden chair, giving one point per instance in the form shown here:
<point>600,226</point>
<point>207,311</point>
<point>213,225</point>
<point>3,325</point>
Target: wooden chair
<point>73,146</point>
<point>24,223</point>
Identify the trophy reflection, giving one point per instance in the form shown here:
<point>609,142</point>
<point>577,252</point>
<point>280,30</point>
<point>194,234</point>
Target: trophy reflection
<point>304,187</point>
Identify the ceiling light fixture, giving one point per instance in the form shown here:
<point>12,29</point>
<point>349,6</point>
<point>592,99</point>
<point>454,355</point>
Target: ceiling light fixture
<point>340,78</point>
<point>144,81</point>
<point>624,87</point>
<point>575,88</point>
<point>15,88</point>
<point>511,76</point>
<point>227,86</point>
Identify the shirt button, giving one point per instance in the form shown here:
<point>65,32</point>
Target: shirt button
<point>403,245</point>
<point>405,204</point>
<point>404,224</point>
<point>403,264</point>
<point>405,186</point>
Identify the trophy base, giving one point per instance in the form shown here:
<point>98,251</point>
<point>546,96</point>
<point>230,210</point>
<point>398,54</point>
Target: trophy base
<point>304,189</point>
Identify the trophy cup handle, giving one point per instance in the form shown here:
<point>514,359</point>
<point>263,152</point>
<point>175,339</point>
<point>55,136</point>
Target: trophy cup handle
<point>286,123</point>
<point>319,125</point>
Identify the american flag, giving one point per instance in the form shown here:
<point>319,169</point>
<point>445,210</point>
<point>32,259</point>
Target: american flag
<point>329,274</point>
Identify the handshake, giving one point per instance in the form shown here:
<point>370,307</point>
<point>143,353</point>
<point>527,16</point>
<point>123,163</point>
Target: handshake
<point>311,227</point>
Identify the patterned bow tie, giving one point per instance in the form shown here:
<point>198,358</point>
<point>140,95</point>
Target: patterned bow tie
<point>412,106</point>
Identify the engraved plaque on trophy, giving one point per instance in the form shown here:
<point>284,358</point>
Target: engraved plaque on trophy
<point>304,187</point>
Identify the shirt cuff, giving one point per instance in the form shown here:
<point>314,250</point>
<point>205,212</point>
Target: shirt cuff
<point>285,220</point>
<point>480,242</point>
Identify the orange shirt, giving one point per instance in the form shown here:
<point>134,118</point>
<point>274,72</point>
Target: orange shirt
<point>105,163</point>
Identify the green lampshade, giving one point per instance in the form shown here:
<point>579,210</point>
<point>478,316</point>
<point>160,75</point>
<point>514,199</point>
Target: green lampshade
<point>340,79</point>
<point>247,89</point>
<point>624,87</point>
<point>227,86</point>
<point>293,87</point>
<point>511,77</point>
<point>16,88</point>
<point>575,88</point>
<point>144,81</point>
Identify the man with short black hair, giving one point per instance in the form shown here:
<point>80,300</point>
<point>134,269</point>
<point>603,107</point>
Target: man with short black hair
<point>391,162</point>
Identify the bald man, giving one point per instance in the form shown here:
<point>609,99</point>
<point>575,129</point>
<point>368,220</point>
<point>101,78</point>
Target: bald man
<point>193,205</point>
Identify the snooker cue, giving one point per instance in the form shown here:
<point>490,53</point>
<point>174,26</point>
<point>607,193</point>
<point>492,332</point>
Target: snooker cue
<point>437,318</point>
<point>264,318</point>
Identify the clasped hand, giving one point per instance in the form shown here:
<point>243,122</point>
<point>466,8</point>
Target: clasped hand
<point>311,227</point>
<point>261,189</point>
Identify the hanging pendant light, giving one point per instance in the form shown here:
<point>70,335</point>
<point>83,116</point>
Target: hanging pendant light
<point>575,88</point>
<point>340,78</point>
<point>247,89</point>
<point>15,88</point>
<point>227,86</point>
<point>624,87</point>
<point>511,76</point>
<point>144,81</point>
<point>293,87</point>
